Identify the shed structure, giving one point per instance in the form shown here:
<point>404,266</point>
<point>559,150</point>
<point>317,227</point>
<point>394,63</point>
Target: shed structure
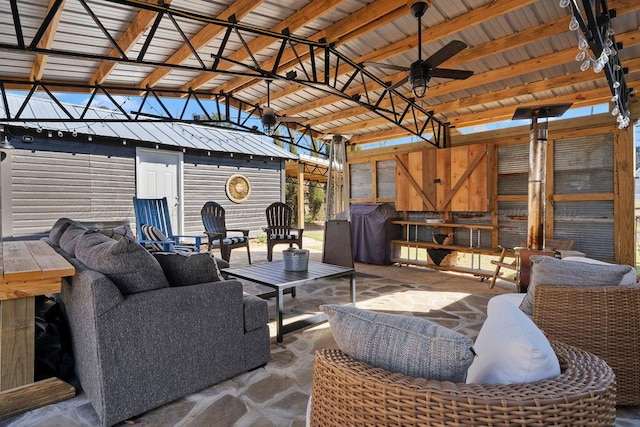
<point>92,172</point>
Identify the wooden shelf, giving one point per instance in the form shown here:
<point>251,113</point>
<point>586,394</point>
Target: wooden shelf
<point>458,269</point>
<point>458,248</point>
<point>446,225</point>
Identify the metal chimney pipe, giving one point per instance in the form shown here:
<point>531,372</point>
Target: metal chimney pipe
<point>537,174</point>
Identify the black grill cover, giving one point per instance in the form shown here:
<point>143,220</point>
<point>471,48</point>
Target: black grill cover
<point>372,231</point>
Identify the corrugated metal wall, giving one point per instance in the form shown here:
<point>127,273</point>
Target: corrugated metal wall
<point>81,180</point>
<point>360,181</point>
<point>581,166</point>
<point>585,165</point>
<point>386,170</point>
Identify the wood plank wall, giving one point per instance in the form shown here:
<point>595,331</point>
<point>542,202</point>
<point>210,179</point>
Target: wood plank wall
<point>622,195</point>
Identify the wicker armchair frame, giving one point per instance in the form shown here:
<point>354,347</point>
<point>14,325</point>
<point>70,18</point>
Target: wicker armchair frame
<point>346,392</point>
<point>603,320</point>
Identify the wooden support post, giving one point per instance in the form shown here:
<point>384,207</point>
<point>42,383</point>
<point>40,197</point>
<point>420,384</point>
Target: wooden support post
<point>623,200</point>
<point>300,195</point>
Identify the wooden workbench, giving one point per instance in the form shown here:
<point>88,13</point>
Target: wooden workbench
<point>29,268</point>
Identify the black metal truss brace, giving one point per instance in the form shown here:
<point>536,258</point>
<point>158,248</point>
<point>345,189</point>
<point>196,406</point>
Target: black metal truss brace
<point>594,25</point>
<point>219,114</point>
<point>310,67</point>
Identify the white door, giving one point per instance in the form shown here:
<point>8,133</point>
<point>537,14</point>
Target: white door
<point>158,175</point>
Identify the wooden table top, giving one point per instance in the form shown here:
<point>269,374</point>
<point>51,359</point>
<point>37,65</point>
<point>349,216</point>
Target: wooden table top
<point>31,268</point>
<point>273,274</point>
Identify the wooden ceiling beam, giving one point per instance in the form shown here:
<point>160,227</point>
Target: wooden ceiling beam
<point>308,13</point>
<point>40,60</point>
<point>582,99</point>
<point>136,29</point>
<point>378,13</point>
<point>475,53</point>
<point>239,8</point>
<point>629,39</point>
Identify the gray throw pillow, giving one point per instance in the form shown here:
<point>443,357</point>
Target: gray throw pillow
<point>70,236</point>
<point>119,232</point>
<point>188,268</point>
<point>129,266</point>
<point>58,228</point>
<point>546,270</point>
<point>402,344</point>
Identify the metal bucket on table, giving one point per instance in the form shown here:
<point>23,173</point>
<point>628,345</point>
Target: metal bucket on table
<point>295,259</point>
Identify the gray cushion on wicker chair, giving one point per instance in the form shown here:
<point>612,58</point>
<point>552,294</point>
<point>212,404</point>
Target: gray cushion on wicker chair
<point>345,391</point>
<point>547,270</point>
<point>404,344</point>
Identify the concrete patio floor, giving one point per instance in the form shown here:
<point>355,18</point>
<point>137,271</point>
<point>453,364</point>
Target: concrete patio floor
<point>277,394</point>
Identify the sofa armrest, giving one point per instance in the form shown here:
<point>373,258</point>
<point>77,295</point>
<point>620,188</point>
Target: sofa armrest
<point>256,312</point>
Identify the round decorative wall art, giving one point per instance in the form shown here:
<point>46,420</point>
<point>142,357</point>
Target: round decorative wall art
<point>238,188</point>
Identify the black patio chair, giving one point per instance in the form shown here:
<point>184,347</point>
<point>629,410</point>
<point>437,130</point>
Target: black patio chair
<point>279,229</point>
<point>213,218</point>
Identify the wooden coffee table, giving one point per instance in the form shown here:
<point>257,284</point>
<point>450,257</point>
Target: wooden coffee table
<point>272,274</point>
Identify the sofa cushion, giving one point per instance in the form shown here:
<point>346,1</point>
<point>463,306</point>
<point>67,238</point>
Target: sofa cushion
<point>510,348</point>
<point>154,233</point>
<point>630,278</point>
<point>546,270</point>
<point>58,228</point>
<point>403,344</point>
<point>188,268</point>
<point>70,236</point>
<point>119,232</point>
<point>131,268</point>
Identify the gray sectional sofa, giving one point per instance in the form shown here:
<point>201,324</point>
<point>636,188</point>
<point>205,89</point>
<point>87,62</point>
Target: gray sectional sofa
<point>148,329</point>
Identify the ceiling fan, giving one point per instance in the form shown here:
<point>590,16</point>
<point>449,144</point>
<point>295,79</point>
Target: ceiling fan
<point>421,71</point>
<point>269,118</point>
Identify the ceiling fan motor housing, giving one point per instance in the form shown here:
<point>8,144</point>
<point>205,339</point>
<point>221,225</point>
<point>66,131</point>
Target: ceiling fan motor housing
<point>418,9</point>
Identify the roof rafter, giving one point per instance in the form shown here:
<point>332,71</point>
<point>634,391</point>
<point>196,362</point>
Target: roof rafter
<point>40,60</point>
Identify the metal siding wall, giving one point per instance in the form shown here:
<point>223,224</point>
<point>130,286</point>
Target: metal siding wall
<point>513,169</point>
<point>53,179</point>
<point>386,178</point>
<point>205,179</point>
<point>462,236</point>
<point>360,181</point>
<point>590,224</point>
<point>512,219</point>
<point>584,165</point>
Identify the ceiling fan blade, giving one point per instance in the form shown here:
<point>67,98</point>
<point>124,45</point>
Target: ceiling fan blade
<point>293,119</point>
<point>383,65</point>
<point>446,73</point>
<point>399,83</point>
<point>451,49</point>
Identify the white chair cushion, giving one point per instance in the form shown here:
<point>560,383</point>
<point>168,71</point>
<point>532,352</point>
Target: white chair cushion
<point>510,348</point>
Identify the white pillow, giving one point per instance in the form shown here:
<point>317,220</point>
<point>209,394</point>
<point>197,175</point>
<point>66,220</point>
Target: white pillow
<point>510,348</point>
<point>629,279</point>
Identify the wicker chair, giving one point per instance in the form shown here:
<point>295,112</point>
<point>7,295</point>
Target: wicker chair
<point>603,320</point>
<point>346,392</point>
